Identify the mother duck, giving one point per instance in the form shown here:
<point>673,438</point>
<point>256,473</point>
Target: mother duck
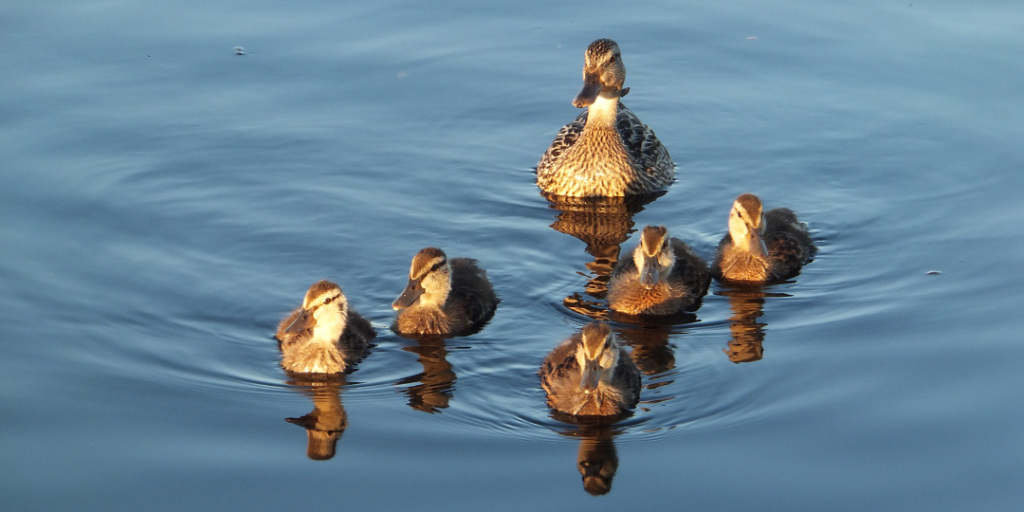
<point>606,151</point>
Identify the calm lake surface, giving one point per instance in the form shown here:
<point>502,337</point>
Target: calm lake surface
<point>164,202</point>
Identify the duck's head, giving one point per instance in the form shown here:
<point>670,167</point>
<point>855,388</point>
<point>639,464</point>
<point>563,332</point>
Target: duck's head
<point>746,225</point>
<point>597,355</point>
<point>429,280</point>
<point>603,73</point>
<point>654,257</point>
<point>324,304</point>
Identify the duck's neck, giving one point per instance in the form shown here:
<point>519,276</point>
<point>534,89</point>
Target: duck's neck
<point>601,114</point>
<point>330,323</point>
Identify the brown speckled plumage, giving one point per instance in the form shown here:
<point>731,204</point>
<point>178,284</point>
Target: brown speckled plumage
<point>606,151</point>
<point>335,336</point>
<point>561,376</point>
<point>452,296</point>
<point>788,243</point>
<point>685,277</point>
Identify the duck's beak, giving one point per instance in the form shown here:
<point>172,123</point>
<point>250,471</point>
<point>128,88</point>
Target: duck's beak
<point>304,321</point>
<point>649,273</point>
<point>412,292</point>
<point>591,376</point>
<point>757,246</point>
<point>588,94</point>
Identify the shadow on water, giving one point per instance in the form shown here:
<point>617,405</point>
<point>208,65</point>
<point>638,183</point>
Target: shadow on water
<point>328,421</point>
<point>432,388</point>
<point>747,305</point>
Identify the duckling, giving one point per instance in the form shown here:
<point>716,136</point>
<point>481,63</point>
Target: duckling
<point>606,151</point>
<point>663,277</point>
<point>324,335</point>
<point>444,297</point>
<point>761,248</point>
<point>590,375</point>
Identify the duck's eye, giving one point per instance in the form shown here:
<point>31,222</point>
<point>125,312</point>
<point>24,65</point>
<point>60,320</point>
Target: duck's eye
<point>328,300</point>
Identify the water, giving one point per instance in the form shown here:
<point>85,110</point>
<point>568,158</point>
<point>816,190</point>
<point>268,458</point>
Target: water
<point>164,202</point>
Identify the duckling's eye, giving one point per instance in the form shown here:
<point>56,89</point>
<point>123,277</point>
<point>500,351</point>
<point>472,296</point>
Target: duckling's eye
<point>328,300</point>
<point>612,60</point>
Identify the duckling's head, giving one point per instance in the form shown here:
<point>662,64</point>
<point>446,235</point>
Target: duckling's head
<point>324,308</point>
<point>597,355</point>
<point>746,225</point>
<point>654,257</point>
<point>603,73</point>
<point>429,280</point>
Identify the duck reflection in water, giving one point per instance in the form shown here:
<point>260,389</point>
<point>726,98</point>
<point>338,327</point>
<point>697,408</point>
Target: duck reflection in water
<point>597,460</point>
<point>603,224</point>
<point>325,424</point>
<point>747,304</point>
<point>435,384</point>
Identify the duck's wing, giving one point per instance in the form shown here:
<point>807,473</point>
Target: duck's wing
<point>284,338</point>
<point>627,377</point>
<point>472,288</point>
<point>625,266</point>
<point>690,269</point>
<point>358,333</point>
<point>566,137</point>
<point>640,141</point>
<point>723,248</point>
<point>560,367</point>
<point>789,243</point>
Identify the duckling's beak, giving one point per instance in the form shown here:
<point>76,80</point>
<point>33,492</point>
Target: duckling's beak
<point>591,88</point>
<point>757,246</point>
<point>649,274</point>
<point>304,321</point>
<point>412,292</point>
<point>591,376</point>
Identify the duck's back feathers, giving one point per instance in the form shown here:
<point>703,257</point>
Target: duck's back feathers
<point>644,148</point>
<point>472,299</point>
<point>565,139</point>
<point>643,166</point>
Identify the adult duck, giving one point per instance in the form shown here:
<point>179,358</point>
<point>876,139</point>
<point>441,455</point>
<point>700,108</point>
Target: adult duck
<point>606,151</point>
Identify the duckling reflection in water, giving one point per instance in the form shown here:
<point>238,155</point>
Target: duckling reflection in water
<point>444,297</point>
<point>328,421</point>
<point>606,151</point>
<point>747,334</point>
<point>597,460</point>
<point>663,277</point>
<point>435,385</point>
<point>324,335</point>
<point>590,375</point>
<point>761,247</point>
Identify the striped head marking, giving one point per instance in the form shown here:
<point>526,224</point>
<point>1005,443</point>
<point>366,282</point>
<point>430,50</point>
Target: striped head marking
<point>603,73</point>
<point>654,240</point>
<point>426,261</point>
<point>746,224</point>
<point>429,280</point>
<point>322,293</point>
<point>597,355</point>
<point>325,305</point>
<point>597,337</point>
<point>748,208</point>
<point>654,257</point>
